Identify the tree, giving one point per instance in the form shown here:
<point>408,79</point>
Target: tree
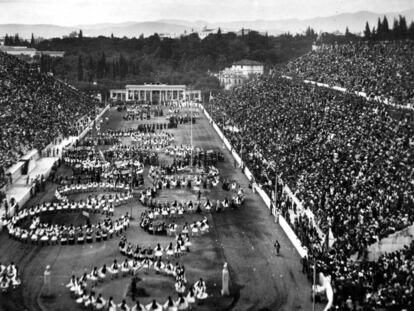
<point>219,36</point>
<point>80,35</point>
<point>396,29</point>
<point>16,39</point>
<point>32,40</point>
<point>403,29</point>
<point>309,32</point>
<point>80,68</point>
<point>101,67</point>
<point>379,29</point>
<point>411,31</point>
<point>385,26</point>
<point>91,68</point>
<point>123,67</point>
<point>367,32</point>
<point>347,33</point>
<point>384,32</point>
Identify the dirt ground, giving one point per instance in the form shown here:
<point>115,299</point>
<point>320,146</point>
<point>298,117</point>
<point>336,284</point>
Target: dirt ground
<point>243,238</point>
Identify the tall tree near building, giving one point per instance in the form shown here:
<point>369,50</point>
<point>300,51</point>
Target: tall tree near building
<point>347,33</point>
<point>385,28</point>
<point>367,32</point>
<point>403,29</point>
<point>219,35</point>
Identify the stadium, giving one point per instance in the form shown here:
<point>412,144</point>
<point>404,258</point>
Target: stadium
<point>217,170</point>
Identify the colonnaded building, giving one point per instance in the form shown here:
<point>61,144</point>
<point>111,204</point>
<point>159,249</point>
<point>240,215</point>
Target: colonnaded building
<point>155,93</point>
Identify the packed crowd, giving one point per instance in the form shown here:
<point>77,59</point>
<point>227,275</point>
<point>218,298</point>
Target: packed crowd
<point>348,160</point>
<point>35,109</point>
<point>384,69</point>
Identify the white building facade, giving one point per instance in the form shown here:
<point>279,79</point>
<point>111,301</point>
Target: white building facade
<point>239,72</point>
<point>248,67</point>
<point>155,93</point>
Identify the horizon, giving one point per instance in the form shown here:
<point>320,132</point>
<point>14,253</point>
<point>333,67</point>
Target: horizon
<point>73,13</point>
<point>201,20</point>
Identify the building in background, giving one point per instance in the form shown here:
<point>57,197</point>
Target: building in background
<point>239,73</point>
<point>248,67</point>
<point>205,32</point>
<point>155,93</point>
<point>18,50</point>
<point>28,52</point>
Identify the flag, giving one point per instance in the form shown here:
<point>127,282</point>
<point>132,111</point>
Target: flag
<point>329,239</point>
<point>57,195</point>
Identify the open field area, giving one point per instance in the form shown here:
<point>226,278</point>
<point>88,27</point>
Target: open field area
<point>243,237</point>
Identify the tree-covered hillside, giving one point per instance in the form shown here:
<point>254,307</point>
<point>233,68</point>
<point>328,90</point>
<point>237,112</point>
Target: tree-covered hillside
<point>114,62</point>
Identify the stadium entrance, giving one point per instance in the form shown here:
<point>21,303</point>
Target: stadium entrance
<point>155,93</point>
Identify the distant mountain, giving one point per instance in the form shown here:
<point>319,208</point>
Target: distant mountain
<point>39,30</point>
<point>355,22</point>
<point>128,29</point>
<point>134,29</point>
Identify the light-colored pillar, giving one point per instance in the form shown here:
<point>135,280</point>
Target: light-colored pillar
<point>151,96</point>
<point>145,95</point>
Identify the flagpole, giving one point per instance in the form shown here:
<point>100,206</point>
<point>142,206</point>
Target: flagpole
<point>275,190</point>
<point>191,112</point>
<point>314,284</point>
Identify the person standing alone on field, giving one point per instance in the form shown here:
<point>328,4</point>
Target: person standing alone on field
<point>277,247</point>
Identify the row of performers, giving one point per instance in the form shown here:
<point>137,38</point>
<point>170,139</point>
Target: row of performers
<point>103,205</point>
<point>181,244</point>
<point>172,209</point>
<point>141,128</point>
<point>45,234</point>
<point>78,286</point>
<point>196,228</point>
<point>94,186</point>
<point>189,182</point>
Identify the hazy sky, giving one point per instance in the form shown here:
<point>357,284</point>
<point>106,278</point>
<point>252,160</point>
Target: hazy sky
<point>73,12</point>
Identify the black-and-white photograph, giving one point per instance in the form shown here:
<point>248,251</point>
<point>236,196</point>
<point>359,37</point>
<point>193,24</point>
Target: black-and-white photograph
<point>207,155</point>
